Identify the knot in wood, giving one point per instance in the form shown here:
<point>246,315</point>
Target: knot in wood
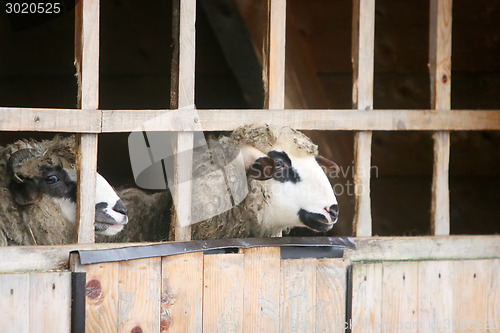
<point>136,329</point>
<point>93,289</point>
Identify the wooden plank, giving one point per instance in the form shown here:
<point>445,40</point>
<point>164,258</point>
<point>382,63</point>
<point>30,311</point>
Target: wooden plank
<point>492,318</point>
<point>181,195</point>
<point>425,248</point>
<point>262,292</point>
<point>182,291</point>
<point>87,71</point>
<point>440,75</point>
<point>101,306</point>
<point>380,120</point>
<point>363,37</point>
<point>86,164</point>
<point>49,302</point>
<point>50,120</point>
<point>331,291</point>
<point>182,97</point>
<point>476,296</point>
<point>298,295</point>
<point>274,55</point>
<point>223,292</point>
<point>14,307</point>
<point>139,295</point>
<point>227,119</point>
<point>362,223</point>
<point>366,297</point>
<point>399,304</point>
<point>435,296</point>
<point>315,119</point>
<point>87,53</point>
<point>43,258</point>
<point>274,50</point>
<point>440,204</point>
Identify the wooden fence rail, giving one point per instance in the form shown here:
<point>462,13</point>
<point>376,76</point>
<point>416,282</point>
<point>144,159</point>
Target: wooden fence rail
<point>114,121</point>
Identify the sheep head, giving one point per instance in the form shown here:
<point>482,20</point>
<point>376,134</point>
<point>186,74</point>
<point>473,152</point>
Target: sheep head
<point>285,169</point>
<point>48,168</point>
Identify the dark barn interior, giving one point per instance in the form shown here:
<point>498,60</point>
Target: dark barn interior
<point>36,70</point>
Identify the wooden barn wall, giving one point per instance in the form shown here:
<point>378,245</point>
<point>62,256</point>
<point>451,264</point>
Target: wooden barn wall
<point>36,70</point>
<point>252,291</point>
<point>256,291</point>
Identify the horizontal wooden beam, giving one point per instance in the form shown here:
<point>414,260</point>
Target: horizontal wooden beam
<point>44,258</point>
<point>425,248</point>
<point>380,120</point>
<point>88,121</point>
<point>50,120</point>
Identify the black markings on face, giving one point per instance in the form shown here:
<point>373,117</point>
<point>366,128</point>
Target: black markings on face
<point>102,216</point>
<point>284,171</point>
<point>54,181</point>
<point>57,183</point>
<point>314,221</point>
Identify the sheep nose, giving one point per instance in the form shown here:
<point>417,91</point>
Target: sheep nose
<point>120,207</point>
<point>334,212</point>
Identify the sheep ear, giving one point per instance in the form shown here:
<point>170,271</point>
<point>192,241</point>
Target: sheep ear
<point>25,193</point>
<point>262,169</point>
<point>327,165</point>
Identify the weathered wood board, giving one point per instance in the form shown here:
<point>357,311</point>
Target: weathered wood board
<point>426,296</point>
<point>35,302</point>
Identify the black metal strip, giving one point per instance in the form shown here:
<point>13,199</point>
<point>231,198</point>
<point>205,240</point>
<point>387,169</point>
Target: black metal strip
<point>318,252</point>
<point>78,281</point>
<point>348,300</point>
<point>167,249</point>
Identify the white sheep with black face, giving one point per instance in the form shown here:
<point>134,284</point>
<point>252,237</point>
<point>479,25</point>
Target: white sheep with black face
<point>254,183</point>
<point>286,183</point>
<point>38,187</point>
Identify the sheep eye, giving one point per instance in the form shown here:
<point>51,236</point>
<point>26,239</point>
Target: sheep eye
<point>52,179</point>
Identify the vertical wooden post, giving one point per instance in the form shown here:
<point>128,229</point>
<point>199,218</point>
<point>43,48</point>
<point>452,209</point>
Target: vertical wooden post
<point>274,55</point>
<point>273,69</point>
<point>362,99</point>
<point>87,68</point>
<point>182,96</point>
<point>440,75</point>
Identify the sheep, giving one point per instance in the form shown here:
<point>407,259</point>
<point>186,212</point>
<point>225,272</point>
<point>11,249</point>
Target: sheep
<point>149,217</point>
<point>38,194</point>
<point>254,183</point>
<point>286,184</point>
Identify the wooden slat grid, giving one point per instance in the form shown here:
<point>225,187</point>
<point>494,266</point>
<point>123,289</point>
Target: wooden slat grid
<point>88,120</point>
